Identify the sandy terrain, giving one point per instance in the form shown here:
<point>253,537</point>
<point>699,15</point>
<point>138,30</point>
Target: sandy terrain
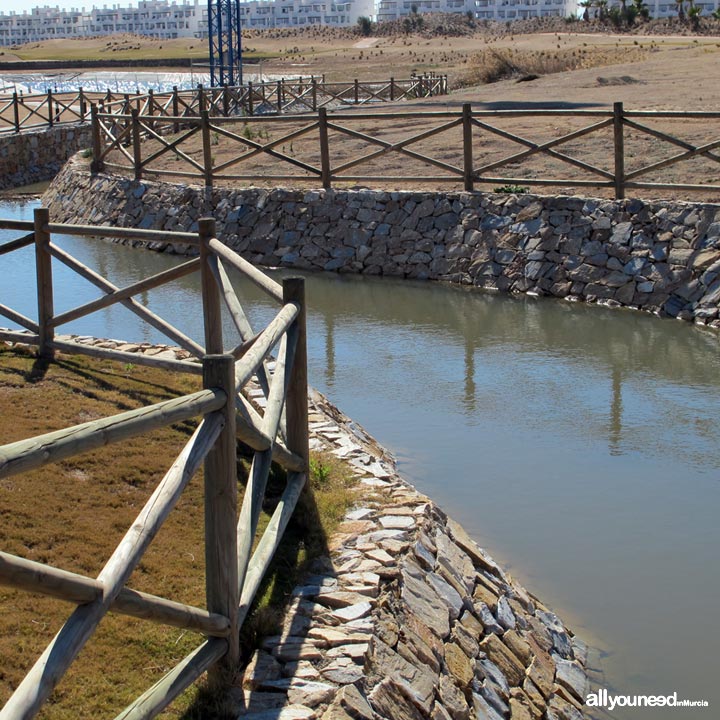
<point>644,72</point>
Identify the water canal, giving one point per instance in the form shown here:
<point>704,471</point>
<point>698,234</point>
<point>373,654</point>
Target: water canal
<point>578,444</point>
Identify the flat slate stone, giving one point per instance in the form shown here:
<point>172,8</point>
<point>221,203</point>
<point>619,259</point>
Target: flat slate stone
<point>289,712</point>
<point>483,710</point>
<point>447,594</point>
<point>505,615</point>
<point>455,561</point>
<point>390,701</point>
<point>354,702</point>
<point>571,676</point>
<point>343,671</point>
<point>419,682</point>
<point>393,522</point>
<point>423,602</point>
<point>353,612</point>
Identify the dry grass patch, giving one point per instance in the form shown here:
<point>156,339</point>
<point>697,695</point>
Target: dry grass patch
<point>73,513</point>
<point>495,64</point>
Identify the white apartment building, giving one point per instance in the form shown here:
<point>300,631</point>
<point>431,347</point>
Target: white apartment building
<point>166,19</point>
<point>188,18</point>
<point>481,9</point>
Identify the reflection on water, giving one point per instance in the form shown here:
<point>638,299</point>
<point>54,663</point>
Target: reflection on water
<point>119,82</point>
<point>578,444</point>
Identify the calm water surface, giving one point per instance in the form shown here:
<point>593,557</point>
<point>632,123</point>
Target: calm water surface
<point>579,445</point>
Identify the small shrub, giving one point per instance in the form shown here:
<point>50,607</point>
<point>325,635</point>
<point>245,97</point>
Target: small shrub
<point>512,189</point>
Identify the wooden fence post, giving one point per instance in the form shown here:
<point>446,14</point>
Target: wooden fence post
<point>16,112</point>
<point>207,154</point>
<point>96,165</point>
<point>280,97</point>
<point>202,105</point>
<point>357,92</point>
<point>467,147</point>
<point>151,107</point>
<point>296,402</point>
<point>137,148</point>
<point>314,94</point>
<point>619,137</point>
<point>175,108</point>
<point>324,149</point>
<point>83,104</point>
<point>50,108</point>
<point>220,473</point>
<point>392,89</point>
<point>226,100</point>
<point>210,292</point>
<point>43,265</point>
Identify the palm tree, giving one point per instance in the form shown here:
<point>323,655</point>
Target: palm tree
<point>681,8</point>
<point>586,5</point>
<point>602,8</point>
<point>642,9</point>
<point>694,12</point>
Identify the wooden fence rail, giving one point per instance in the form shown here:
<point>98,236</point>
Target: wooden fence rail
<point>31,112</point>
<point>279,433</point>
<point>615,149</point>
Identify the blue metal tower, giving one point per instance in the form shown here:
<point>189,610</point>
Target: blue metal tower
<point>225,40</point>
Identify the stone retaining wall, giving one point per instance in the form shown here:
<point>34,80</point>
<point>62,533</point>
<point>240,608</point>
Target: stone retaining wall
<point>35,155</point>
<point>662,257</point>
<point>407,618</point>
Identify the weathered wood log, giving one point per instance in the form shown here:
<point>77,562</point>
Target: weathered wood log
<point>296,403</point>
<point>19,337</point>
<point>248,430</point>
<point>43,271</point>
<point>250,271</point>
<point>131,304</point>
<point>135,289</point>
<point>35,577</point>
<point>18,244</point>
<point>128,357</point>
<point>245,367</point>
<point>129,233</point>
<point>34,452</point>
<point>221,583</point>
<point>184,674</point>
<point>270,540</point>
<point>19,318</point>
<point>41,680</point>
<point>235,308</point>
<point>619,146</point>
<point>212,318</point>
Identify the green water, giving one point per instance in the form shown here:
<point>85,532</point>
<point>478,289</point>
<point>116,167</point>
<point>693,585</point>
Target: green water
<point>579,445</point>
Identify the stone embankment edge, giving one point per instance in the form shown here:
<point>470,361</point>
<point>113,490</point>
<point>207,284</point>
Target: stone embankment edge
<point>35,155</point>
<point>660,257</point>
<point>407,618</point>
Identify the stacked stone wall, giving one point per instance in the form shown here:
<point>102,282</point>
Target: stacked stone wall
<point>661,257</point>
<point>33,156</point>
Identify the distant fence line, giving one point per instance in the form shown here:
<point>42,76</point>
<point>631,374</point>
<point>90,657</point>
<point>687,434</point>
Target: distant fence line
<point>141,144</point>
<point>234,571</point>
<point>20,112</point>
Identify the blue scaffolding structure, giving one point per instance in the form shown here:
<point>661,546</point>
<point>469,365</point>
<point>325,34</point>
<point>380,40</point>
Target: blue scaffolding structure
<point>225,41</point>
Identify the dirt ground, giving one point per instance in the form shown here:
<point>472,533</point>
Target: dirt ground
<point>645,72</point>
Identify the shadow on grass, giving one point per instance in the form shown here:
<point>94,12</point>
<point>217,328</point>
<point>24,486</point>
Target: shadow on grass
<point>38,370</point>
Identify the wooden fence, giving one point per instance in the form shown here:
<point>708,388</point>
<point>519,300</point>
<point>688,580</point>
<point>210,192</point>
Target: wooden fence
<point>26,112</point>
<point>233,572</point>
<point>615,149</point>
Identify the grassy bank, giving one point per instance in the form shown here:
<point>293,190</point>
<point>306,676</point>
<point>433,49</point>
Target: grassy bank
<point>72,515</point>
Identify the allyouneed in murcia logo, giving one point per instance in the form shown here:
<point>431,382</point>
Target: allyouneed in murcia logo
<point>603,699</point>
